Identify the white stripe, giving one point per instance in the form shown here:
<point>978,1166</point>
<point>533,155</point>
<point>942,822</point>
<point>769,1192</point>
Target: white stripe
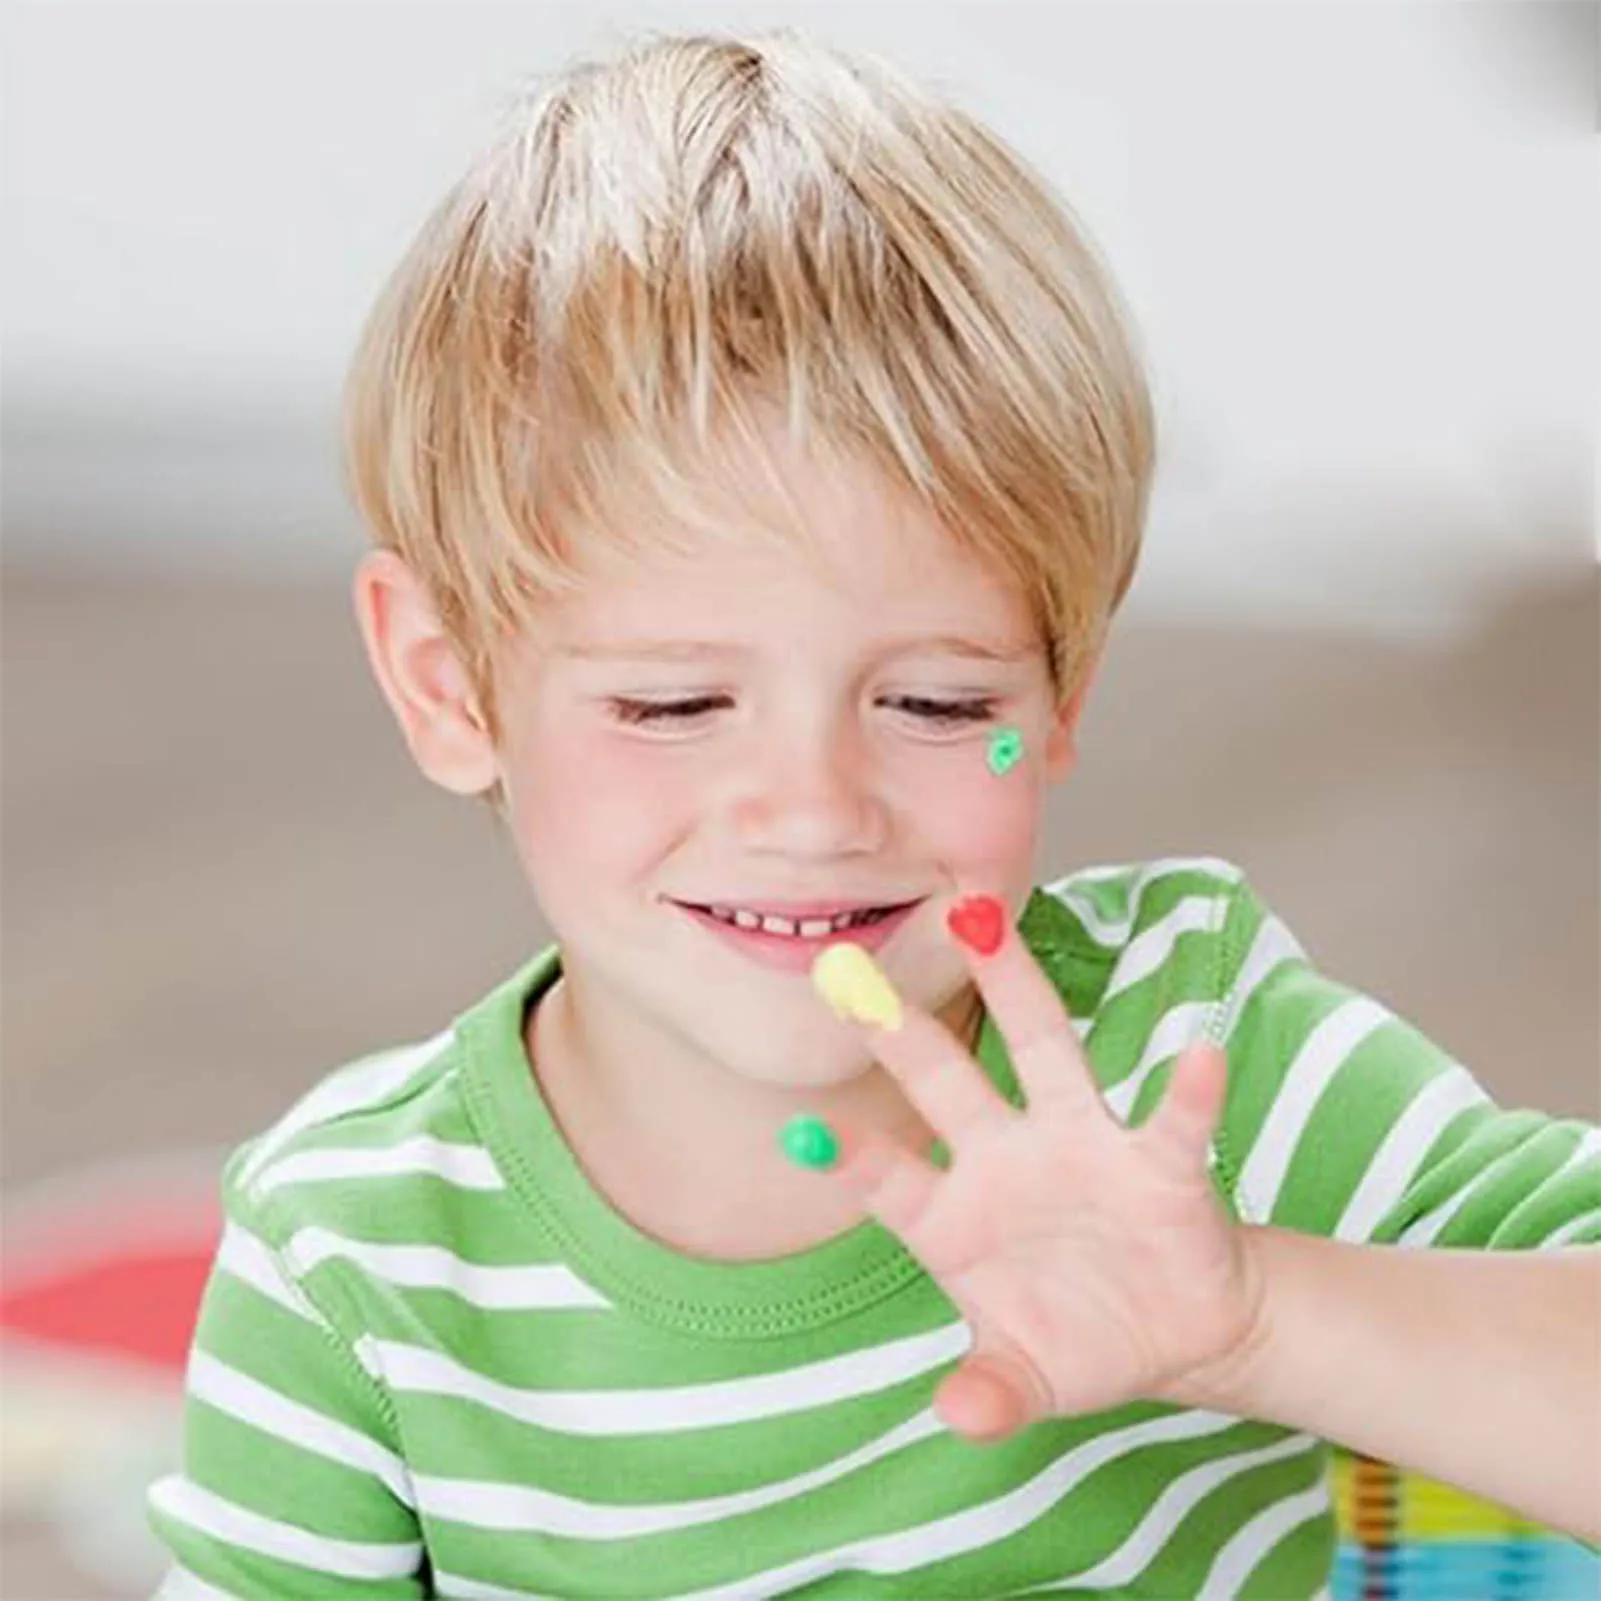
<point>1121,1569</point>
<point>1159,865</point>
<point>1088,875</point>
<point>468,1167</point>
<point>1423,1231</point>
<point>536,1286</point>
<point>454,1587</point>
<point>1273,945</point>
<point>1146,952</point>
<point>1586,1149</point>
<point>255,1403</point>
<point>1109,932</point>
<point>1180,1026</point>
<point>674,1408</point>
<point>1574,1226</point>
<point>285,1542</point>
<point>488,1505</point>
<point>1114,931</point>
<point>1321,1056</point>
<point>1239,1559</point>
<point>348,1090</point>
<point>181,1585</point>
<point>1401,1153</point>
<point>1428,1228</point>
<point>974,1527</point>
<point>248,1259</point>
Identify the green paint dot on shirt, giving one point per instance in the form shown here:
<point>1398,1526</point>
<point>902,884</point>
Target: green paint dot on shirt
<point>1006,749</point>
<point>809,1142</point>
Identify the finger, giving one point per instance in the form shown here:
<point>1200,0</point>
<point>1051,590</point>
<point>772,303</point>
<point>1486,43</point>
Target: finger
<point>1046,1055</point>
<point>924,1057</point>
<point>988,1397</point>
<point>893,1184</point>
<point>1182,1125</point>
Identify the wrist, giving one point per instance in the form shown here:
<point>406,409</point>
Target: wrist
<point>1235,1380</point>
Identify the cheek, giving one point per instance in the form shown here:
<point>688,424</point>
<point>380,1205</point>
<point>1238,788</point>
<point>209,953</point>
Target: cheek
<point>589,806</point>
<point>983,826</point>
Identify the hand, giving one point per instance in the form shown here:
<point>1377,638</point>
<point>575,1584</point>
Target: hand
<point>1093,1263</point>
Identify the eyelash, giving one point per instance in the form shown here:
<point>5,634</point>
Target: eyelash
<point>942,713</point>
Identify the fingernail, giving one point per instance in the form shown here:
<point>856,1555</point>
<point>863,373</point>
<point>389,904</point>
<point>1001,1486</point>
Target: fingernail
<point>1005,750</point>
<point>809,1142</point>
<point>855,986</point>
<point>979,922</point>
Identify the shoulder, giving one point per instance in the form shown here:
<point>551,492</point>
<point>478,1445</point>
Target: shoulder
<point>395,1114</point>
<point>1165,946</point>
<point>1104,915</point>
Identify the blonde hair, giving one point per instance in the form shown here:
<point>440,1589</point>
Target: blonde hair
<point>663,241</point>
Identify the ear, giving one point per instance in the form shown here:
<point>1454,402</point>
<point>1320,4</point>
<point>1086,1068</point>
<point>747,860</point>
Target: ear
<point>1061,743</point>
<point>427,688</point>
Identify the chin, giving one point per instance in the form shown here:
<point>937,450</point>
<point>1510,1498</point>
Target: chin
<point>816,1069</point>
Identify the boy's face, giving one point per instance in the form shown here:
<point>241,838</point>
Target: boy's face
<point>749,728</point>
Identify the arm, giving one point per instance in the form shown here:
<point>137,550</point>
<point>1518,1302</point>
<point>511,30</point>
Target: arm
<point>1407,1233</point>
<point>291,1484</point>
<point>1479,1368</point>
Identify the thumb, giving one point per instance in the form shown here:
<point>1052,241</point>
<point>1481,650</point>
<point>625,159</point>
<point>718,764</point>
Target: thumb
<point>988,1397</point>
<point>1183,1123</point>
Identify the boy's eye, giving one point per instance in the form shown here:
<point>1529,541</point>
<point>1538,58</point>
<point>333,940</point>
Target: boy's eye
<point>652,711</point>
<point>945,711</point>
<point>924,707</point>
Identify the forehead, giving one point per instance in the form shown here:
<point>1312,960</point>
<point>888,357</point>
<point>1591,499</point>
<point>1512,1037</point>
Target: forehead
<point>783,545</point>
<point>777,590</point>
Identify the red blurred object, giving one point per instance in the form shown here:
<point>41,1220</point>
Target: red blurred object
<point>112,1261</point>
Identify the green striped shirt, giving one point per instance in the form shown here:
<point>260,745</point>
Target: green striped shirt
<point>431,1360</point>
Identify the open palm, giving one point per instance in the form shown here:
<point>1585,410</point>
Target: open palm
<point>1093,1263</point>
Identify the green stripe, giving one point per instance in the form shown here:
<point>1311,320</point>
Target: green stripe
<point>264,1473</point>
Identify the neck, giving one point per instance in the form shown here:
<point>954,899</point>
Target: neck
<point>687,1151</point>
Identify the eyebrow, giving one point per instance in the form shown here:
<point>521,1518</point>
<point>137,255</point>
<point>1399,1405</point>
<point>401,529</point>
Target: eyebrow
<point>693,650</point>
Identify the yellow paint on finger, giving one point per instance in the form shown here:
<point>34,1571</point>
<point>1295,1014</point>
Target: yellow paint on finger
<point>855,986</point>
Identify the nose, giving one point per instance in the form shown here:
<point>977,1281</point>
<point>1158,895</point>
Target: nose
<point>809,794</point>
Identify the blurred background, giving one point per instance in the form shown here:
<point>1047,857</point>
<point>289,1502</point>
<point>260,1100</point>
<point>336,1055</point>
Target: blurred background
<point>1363,658</point>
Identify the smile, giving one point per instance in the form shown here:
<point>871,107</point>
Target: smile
<point>792,943</point>
<point>798,927</point>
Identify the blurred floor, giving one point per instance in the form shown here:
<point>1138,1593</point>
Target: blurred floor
<point>223,876</point>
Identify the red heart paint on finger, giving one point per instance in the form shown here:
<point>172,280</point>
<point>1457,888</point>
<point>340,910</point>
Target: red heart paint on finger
<point>979,922</point>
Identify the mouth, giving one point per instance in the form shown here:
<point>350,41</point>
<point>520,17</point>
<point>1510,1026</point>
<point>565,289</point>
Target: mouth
<point>791,941</point>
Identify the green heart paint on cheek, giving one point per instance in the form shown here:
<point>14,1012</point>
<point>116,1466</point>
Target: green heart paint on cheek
<point>1006,750</point>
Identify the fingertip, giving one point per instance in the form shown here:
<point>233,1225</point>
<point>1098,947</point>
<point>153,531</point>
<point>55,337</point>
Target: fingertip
<point>855,987</point>
<point>979,1404</point>
<point>1208,1076</point>
<point>978,922</point>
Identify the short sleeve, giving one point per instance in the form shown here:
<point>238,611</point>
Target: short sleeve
<point>291,1483</point>
<point>1344,1120</point>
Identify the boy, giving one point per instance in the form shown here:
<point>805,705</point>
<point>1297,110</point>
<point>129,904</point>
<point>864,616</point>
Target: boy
<point>757,457</point>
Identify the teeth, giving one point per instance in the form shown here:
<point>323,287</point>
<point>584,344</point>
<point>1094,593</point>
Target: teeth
<point>790,928</point>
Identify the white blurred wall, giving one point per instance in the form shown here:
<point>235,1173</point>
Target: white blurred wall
<point>1360,241</point>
